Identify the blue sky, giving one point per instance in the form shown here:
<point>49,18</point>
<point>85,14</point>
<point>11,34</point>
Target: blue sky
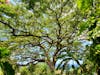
<point>12,1</point>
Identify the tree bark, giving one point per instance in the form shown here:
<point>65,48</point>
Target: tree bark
<point>51,66</point>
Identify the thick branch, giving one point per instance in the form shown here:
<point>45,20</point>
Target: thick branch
<point>33,61</point>
<point>7,24</point>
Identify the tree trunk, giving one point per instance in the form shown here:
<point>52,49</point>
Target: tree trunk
<point>51,66</point>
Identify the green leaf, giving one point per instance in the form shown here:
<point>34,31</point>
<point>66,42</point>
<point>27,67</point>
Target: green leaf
<point>83,26</point>
<point>97,47</point>
<point>84,4</point>
<point>4,52</point>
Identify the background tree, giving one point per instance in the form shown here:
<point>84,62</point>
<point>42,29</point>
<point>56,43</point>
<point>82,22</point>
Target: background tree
<point>92,25</point>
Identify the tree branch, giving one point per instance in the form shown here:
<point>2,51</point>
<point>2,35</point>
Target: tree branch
<point>33,61</point>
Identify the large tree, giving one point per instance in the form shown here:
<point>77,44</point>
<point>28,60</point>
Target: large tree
<point>44,32</point>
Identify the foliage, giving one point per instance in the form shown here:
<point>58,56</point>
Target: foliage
<point>42,69</point>
<point>38,69</point>
<point>2,1</point>
<point>24,71</point>
<point>4,64</point>
<point>4,52</point>
<point>93,28</point>
<point>7,68</point>
<point>31,3</point>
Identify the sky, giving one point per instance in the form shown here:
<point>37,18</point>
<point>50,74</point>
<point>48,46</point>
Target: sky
<point>13,2</point>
